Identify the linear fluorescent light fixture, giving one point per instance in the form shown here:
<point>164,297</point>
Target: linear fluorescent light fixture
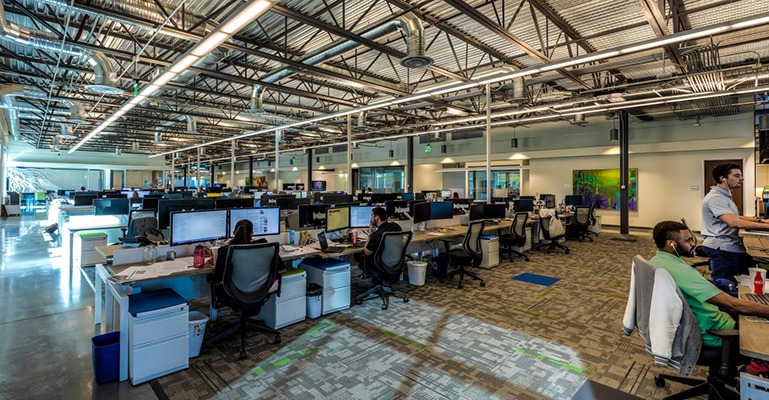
<point>239,18</point>
<point>494,78</point>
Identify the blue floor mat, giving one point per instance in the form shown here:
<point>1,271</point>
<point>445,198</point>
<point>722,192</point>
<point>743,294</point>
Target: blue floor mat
<point>536,279</point>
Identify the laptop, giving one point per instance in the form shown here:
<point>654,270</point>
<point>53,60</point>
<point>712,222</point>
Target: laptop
<point>324,247</point>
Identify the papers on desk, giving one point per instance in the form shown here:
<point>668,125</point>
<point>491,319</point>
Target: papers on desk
<point>287,251</point>
<point>435,233</point>
<point>164,268</point>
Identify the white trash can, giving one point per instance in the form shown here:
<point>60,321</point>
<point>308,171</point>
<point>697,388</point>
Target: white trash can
<point>314,300</point>
<point>197,331</point>
<point>417,271</point>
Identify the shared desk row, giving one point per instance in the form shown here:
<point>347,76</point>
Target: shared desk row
<point>190,283</point>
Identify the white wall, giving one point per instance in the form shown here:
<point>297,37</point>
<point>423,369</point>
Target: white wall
<point>426,179</point>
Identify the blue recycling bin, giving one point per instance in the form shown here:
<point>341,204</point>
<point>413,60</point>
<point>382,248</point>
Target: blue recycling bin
<point>106,357</point>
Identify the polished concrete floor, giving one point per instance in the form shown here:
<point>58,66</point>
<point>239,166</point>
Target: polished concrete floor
<point>46,322</point>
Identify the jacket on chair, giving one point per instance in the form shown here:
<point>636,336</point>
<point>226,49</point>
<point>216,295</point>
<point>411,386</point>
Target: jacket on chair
<point>664,320</point>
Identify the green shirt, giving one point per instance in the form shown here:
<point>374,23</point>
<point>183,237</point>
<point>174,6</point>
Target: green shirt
<point>697,291</point>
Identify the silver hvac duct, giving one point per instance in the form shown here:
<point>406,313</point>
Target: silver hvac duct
<point>77,112</point>
<point>192,124</point>
<point>49,42</point>
<point>147,10</point>
<point>66,132</point>
<point>415,57</point>
<point>6,92</point>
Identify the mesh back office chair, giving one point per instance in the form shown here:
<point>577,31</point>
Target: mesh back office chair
<point>544,225</point>
<point>593,220</point>
<point>580,223</point>
<point>249,273</point>
<point>139,221</point>
<point>721,361</point>
<point>387,269</point>
<point>469,255</point>
<point>516,236</point>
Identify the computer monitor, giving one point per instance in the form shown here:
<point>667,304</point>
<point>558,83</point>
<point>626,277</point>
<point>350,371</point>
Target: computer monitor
<point>476,212</point>
<point>494,211</point>
<point>198,226</point>
<point>441,210</point>
<point>287,203</point>
<point>407,196</point>
<point>337,218</point>
<point>330,198</point>
<point>110,195</point>
<point>173,196</point>
<point>143,193</point>
<point>150,202</point>
<point>525,205</point>
<point>421,212</point>
<point>573,200</point>
<point>365,197</point>
<point>381,198</point>
<point>446,193</point>
<point>165,205</point>
<point>266,220</point>
<point>238,202</point>
<point>111,206</point>
<point>360,216</point>
<point>461,206</point>
<point>272,199</point>
<point>549,200</point>
<point>319,186</point>
<point>413,203</point>
<point>312,216</point>
<point>84,199</point>
<point>396,209</point>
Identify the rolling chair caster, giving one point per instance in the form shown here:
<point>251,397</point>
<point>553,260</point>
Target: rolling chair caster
<point>243,355</point>
<point>483,284</point>
<point>358,302</point>
<point>277,339</point>
<point>406,299</point>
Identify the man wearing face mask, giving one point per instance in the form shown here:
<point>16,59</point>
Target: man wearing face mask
<point>674,241</point>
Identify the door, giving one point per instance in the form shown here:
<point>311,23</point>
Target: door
<point>117,180</point>
<point>737,195</point>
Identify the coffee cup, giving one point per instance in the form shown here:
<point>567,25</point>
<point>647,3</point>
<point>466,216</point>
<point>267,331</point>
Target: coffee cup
<point>170,255</point>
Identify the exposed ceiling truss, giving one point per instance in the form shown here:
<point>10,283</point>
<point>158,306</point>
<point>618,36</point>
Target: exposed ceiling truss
<point>65,69</point>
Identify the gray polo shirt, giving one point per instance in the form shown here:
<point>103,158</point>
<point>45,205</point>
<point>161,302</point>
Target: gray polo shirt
<point>717,234</point>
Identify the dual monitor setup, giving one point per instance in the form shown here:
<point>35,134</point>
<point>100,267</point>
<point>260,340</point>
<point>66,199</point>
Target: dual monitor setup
<point>335,218</point>
<point>213,224</point>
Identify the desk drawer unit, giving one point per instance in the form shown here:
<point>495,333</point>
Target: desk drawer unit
<point>158,341</point>
<point>334,276</point>
<point>291,306</point>
<point>490,250</point>
<point>84,248</point>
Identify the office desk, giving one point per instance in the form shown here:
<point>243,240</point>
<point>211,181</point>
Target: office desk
<point>91,223</point>
<point>754,336</point>
<point>757,244</point>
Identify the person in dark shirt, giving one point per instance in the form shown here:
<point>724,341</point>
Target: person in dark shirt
<point>379,226</point>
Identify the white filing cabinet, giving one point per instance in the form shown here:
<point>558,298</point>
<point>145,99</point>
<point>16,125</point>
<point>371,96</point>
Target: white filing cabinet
<point>158,337</point>
<point>490,249</point>
<point>291,306</point>
<point>334,276</point>
<point>84,249</point>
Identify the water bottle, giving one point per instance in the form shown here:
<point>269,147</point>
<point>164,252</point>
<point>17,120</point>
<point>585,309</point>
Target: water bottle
<point>291,237</point>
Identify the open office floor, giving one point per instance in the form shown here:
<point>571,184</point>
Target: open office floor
<point>511,339</point>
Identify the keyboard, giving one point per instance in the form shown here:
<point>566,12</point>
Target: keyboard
<point>758,298</point>
<point>334,249</point>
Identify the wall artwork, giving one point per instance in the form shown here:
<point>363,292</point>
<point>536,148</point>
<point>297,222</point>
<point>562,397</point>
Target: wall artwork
<point>602,187</point>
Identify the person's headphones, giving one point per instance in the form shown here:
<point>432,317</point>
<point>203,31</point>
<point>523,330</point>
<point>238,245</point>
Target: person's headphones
<point>672,245</point>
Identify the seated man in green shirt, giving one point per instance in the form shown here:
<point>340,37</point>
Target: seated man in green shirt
<point>674,241</point>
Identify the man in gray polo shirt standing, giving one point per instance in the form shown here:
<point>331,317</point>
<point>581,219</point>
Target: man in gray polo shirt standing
<point>720,225</point>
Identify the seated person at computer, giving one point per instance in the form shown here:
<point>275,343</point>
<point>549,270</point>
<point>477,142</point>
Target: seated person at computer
<point>455,195</point>
<point>379,226</point>
<point>720,227</point>
<point>674,241</point>
<point>244,229</point>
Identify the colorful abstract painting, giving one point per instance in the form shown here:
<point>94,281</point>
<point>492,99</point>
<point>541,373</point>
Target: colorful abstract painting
<point>601,186</point>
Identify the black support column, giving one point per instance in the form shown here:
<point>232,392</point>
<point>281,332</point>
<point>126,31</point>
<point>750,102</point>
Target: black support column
<point>309,170</point>
<point>250,171</point>
<point>410,164</point>
<point>623,173</point>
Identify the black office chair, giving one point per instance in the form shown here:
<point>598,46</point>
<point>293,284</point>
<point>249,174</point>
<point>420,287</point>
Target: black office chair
<point>592,220</point>
<point>721,361</point>
<point>387,269</point>
<point>544,225</point>
<point>516,236</point>
<point>469,255</point>
<point>580,223</point>
<point>250,272</point>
